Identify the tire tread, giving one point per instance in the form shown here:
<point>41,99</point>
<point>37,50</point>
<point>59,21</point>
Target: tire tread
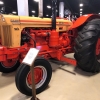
<point>85,46</point>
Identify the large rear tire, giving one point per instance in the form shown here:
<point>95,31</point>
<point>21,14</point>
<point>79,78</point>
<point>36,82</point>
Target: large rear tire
<point>85,49</point>
<point>42,73</point>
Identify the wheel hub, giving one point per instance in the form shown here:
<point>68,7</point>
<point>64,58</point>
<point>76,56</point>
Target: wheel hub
<point>40,75</point>
<point>8,63</point>
<point>37,75</point>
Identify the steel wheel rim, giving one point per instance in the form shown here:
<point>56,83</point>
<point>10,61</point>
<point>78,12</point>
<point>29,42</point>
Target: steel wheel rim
<point>41,82</point>
<point>8,63</point>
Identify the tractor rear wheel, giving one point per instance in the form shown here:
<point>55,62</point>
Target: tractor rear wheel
<point>9,66</point>
<point>42,74</point>
<point>85,48</point>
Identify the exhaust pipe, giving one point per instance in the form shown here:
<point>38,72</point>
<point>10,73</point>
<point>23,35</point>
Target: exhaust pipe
<point>54,5</point>
<point>54,35</point>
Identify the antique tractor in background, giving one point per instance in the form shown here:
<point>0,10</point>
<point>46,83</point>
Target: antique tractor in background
<point>55,37</point>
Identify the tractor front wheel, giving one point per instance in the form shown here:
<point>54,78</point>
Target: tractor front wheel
<point>42,74</point>
<point>86,46</point>
<point>9,66</point>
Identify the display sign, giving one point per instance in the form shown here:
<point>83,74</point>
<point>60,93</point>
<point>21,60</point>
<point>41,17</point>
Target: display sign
<point>31,56</point>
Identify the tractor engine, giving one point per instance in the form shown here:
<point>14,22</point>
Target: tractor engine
<point>64,40</point>
<point>51,38</point>
<point>53,44</point>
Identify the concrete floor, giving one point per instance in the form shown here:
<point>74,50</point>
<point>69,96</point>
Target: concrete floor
<point>64,85</point>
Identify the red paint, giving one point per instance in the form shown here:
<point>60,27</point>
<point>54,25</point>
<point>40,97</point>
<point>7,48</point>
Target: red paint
<point>69,60</point>
<point>81,20</point>
<point>53,45</point>
<point>8,63</point>
<point>38,74</point>
<point>54,39</point>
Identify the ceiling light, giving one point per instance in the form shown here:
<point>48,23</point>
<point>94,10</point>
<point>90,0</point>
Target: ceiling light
<point>33,11</point>
<point>51,16</point>
<point>48,7</point>
<point>56,10</point>
<point>36,0</point>
<point>80,12</point>
<point>47,15</point>
<point>98,13</point>
<point>81,5</point>
<point>1,2</point>
<point>81,9</point>
<point>14,12</point>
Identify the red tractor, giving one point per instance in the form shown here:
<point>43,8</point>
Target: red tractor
<point>55,37</point>
<point>83,38</point>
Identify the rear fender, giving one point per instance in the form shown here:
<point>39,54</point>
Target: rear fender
<point>85,18</point>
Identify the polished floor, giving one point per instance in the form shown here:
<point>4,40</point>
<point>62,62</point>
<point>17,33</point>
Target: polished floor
<point>67,83</point>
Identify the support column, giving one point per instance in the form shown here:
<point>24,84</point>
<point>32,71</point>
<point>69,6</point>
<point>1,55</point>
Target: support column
<point>40,8</point>
<point>61,9</point>
<point>22,6</point>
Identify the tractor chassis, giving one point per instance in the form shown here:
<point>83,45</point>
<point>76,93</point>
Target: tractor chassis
<point>20,52</point>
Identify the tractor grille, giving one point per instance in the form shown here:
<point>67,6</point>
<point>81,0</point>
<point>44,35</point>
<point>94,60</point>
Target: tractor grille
<point>6,35</point>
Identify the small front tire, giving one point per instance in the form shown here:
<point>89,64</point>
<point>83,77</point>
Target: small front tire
<point>9,66</point>
<point>42,73</point>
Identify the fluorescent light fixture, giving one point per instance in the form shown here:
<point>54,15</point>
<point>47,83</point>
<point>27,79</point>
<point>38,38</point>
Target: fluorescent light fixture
<point>81,9</point>
<point>14,12</point>
<point>47,15</point>
<point>49,7</point>
<point>36,0</point>
<point>1,2</point>
<point>80,12</point>
<point>81,5</point>
<point>33,11</point>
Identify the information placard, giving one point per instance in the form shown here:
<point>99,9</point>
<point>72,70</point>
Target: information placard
<point>31,56</point>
